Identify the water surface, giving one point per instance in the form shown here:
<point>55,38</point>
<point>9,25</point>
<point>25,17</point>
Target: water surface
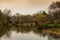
<point>24,36</point>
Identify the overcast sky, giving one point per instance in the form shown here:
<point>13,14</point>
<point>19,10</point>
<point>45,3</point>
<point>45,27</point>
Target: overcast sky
<point>25,6</point>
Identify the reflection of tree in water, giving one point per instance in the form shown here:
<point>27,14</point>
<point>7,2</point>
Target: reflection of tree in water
<point>27,29</point>
<point>53,37</point>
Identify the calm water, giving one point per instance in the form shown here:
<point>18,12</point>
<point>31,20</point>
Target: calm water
<point>23,36</point>
<point>13,35</point>
<point>26,34</point>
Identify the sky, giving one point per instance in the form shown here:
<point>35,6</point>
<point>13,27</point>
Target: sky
<point>25,7</point>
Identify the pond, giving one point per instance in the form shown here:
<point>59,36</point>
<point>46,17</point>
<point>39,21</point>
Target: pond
<point>29,34</point>
<point>24,36</point>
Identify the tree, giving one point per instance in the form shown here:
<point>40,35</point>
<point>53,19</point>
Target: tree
<point>7,12</point>
<point>54,9</point>
<point>40,17</point>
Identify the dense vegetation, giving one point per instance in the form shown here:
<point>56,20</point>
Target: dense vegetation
<point>26,23</point>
